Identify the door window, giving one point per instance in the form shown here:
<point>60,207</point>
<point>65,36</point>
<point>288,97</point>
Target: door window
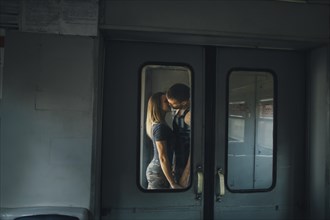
<point>163,135</point>
<point>250,139</point>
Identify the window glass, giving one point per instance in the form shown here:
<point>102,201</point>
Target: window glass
<point>250,138</point>
<point>165,127</point>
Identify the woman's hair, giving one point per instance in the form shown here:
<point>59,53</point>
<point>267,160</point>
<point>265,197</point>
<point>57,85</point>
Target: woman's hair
<point>155,113</point>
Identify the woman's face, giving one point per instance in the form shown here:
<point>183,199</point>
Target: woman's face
<point>164,104</point>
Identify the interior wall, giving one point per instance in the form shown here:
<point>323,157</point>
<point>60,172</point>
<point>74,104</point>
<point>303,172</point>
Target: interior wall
<point>239,18</point>
<point>318,130</point>
<point>46,120</point>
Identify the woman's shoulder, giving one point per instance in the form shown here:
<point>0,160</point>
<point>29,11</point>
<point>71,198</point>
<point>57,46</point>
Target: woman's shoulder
<point>160,125</point>
<point>161,131</point>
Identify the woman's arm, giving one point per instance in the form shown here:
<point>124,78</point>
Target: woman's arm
<point>165,164</point>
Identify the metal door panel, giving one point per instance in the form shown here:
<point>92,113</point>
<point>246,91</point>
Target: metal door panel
<point>286,199</point>
<point>121,196</point>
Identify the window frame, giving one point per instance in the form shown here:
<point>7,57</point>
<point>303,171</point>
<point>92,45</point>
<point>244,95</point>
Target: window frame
<point>275,101</point>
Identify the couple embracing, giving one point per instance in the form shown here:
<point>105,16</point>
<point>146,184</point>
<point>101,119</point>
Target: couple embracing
<point>170,166</point>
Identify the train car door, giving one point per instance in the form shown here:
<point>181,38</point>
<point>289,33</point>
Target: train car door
<point>248,104</point>
<point>134,71</point>
<point>259,154</point>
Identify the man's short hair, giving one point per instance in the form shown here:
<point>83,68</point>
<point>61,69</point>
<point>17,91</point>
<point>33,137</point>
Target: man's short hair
<point>179,92</point>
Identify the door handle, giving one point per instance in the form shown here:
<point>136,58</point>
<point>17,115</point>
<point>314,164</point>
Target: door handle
<point>221,192</point>
<point>200,183</point>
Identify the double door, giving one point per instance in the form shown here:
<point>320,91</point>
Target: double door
<point>247,132</point>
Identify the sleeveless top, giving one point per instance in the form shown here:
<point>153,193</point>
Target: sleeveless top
<point>182,146</point>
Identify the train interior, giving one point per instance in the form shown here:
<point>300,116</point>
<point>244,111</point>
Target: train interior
<point>75,77</point>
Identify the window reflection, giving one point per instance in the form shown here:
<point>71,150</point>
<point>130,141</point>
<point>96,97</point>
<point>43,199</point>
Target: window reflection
<point>165,127</point>
<point>236,125</point>
<point>250,130</point>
